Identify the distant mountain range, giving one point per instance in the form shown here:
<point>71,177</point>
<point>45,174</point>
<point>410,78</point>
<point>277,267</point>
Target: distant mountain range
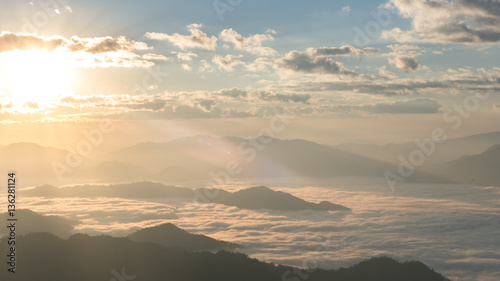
<point>450,150</point>
<point>196,157</point>
<point>481,169</point>
<point>169,235</point>
<point>32,160</point>
<point>44,256</point>
<point>205,159</point>
<point>251,198</point>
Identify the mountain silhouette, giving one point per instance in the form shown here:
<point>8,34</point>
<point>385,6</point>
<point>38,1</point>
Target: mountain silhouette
<point>32,160</point>
<point>83,258</point>
<point>200,157</point>
<point>251,198</point>
<point>451,149</point>
<point>481,169</point>
<point>265,198</point>
<point>114,170</point>
<point>170,235</point>
<point>277,158</point>
<point>129,190</point>
<point>177,174</point>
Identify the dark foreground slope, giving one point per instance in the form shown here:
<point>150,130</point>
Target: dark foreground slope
<point>83,258</point>
<point>34,222</point>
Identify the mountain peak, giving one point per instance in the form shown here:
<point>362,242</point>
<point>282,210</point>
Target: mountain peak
<point>260,188</point>
<point>169,235</point>
<point>167,226</point>
<point>493,149</point>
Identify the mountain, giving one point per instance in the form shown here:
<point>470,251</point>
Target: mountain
<point>208,158</point>
<point>252,198</point>
<point>170,235</point>
<point>482,169</point>
<point>114,170</point>
<point>31,160</point>
<point>177,174</point>
<point>83,258</point>
<point>449,150</point>
<point>156,155</point>
<point>129,190</point>
<point>265,198</point>
<point>33,222</point>
<point>252,158</point>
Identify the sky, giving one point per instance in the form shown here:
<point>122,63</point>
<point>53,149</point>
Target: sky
<point>349,71</point>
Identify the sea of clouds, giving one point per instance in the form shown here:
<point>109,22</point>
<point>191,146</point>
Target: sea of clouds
<point>452,228</point>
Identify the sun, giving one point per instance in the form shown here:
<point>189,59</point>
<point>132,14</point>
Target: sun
<point>36,76</point>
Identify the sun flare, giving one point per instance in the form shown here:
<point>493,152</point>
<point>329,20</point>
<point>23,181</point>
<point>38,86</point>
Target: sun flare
<point>36,76</point>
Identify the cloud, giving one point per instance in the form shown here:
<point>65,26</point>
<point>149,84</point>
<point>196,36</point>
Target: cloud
<point>271,31</point>
<point>32,105</point>
<point>310,96</point>
<point>296,98</point>
<point>373,87</point>
<point>113,59</point>
<point>417,106</point>
<point>234,93</point>
<point>345,9</point>
<point>405,63</point>
<point>252,44</point>
<point>85,52</point>
<point>298,62</point>
<point>10,41</point>
<point>207,104</point>
<point>404,57</point>
<point>154,105</point>
<point>228,62</point>
<point>19,41</point>
<point>402,48</point>
<point>197,39</point>
<point>83,100</point>
<point>185,56</point>
<point>104,44</point>
<point>384,73</point>
<point>205,66</point>
<point>342,51</point>
<point>155,57</point>
<point>455,21</point>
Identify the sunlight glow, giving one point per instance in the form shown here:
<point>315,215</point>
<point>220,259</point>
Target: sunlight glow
<point>36,76</point>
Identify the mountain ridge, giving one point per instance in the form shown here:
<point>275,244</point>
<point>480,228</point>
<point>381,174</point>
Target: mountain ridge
<point>82,257</point>
<point>250,198</point>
